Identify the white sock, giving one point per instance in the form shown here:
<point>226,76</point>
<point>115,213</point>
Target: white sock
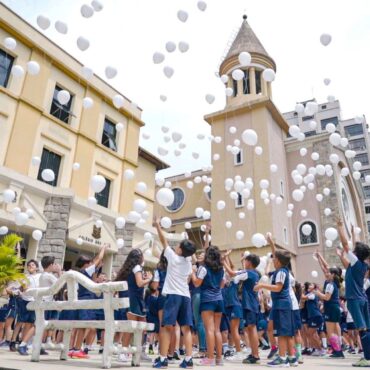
<point>187,358</point>
<point>23,344</point>
<point>324,342</point>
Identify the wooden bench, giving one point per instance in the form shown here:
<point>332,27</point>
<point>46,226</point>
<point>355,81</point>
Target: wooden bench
<point>108,303</point>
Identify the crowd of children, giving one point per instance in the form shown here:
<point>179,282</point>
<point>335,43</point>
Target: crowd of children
<point>204,307</point>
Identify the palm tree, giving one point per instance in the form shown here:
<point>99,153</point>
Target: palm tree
<point>10,263</point>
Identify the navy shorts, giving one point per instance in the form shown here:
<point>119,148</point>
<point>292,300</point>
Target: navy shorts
<point>85,315</point>
<point>25,315</point>
<point>160,302</point>
<point>315,322</point>
<point>215,306</point>
<point>225,323</point>
<point>283,322</point>
<point>51,315</point>
<point>303,316</point>
<point>350,326</point>
<point>360,313</point>
<point>332,313</point>
<point>234,312</point>
<point>99,314</point>
<point>177,308</point>
<point>4,313</point>
<point>250,317</point>
<point>120,314</point>
<point>68,315</point>
<point>297,320</point>
<point>152,319</point>
<point>137,306</point>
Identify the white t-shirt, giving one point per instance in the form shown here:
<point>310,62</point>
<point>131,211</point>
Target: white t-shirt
<point>293,298</point>
<point>47,279</point>
<point>178,271</point>
<point>33,282</point>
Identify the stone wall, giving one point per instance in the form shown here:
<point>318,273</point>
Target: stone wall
<point>127,234</point>
<point>53,242</point>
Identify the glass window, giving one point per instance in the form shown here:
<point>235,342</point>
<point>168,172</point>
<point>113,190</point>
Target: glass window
<point>308,118</point>
<point>6,63</point>
<point>109,135</point>
<point>238,158</point>
<point>354,130</point>
<point>246,89</point>
<point>363,158</point>
<point>323,106</point>
<point>258,82</point>
<point>324,122</point>
<point>235,88</point>
<point>285,235</point>
<point>366,191</point>
<point>49,160</point>
<point>368,226</point>
<point>367,209</point>
<point>310,133</point>
<point>62,112</point>
<point>103,197</point>
<point>239,202</point>
<point>281,188</point>
<point>178,200</point>
<point>357,144</point>
<point>364,173</point>
<point>308,239</point>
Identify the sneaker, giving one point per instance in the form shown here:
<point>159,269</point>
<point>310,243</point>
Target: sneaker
<point>43,352</point>
<point>362,363</point>
<point>101,350</point>
<point>337,354</point>
<point>79,354</point>
<point>187,364</point>
<point>4,344</point>
<point>122,357</point>
<point>176,356</point>
<point>278,362</point>
<point>229,353</point>
<point>251,360</point>
<point>265,348</point>
<point>12,347</point>
<point>237,357</point>
<point>160,364</point>
<point>220,362</point>
<point>22,350</point>
<point>207,362</point>
<point>318,352</point>
<point>145,358</point>
<point>150,350</point>
<point>182,352</point>
<point>272,353</point>
<point>171,360</point>
<point>246,350</point>
<point>352,351</point>
<point>300,359</point>
<point>86,351</point>
<point>293,362</point>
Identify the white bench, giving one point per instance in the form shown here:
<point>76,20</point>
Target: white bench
<point>108,304</point>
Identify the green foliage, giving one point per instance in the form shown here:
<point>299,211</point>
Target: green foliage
<point>10,263</point>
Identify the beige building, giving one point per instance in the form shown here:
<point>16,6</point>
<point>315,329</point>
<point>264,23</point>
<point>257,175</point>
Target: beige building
<point>76,143</point>
<point>250,106</point>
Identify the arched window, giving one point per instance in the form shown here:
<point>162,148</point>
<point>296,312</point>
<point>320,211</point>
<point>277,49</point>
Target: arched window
<point>178,201</point>
<point>310,238</point>
<point>246,89</point>
<point>235,88</point>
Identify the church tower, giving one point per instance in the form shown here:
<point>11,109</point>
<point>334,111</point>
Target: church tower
<point>249,107</point>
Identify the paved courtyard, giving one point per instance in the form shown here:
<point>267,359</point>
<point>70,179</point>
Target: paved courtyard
<point>13,361</point>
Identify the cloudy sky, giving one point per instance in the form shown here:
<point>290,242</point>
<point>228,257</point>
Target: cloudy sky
<point>125,34</point>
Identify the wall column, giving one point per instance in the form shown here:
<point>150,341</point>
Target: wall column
<point>264,87</point>
<point>269,91</point>
<point>252,80</point>
<point>127,234</point>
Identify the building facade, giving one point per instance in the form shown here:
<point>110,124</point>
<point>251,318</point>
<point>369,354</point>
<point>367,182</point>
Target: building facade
<point>239,211</point>
<point>75,143</point>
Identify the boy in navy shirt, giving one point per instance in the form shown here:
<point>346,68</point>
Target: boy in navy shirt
<point>281,310</point>
<point>357,304</point>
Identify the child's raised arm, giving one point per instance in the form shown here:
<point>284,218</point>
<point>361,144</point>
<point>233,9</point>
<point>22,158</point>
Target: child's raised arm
<point>271,242</point>
<point>342,234</point>
<point>161,236</point>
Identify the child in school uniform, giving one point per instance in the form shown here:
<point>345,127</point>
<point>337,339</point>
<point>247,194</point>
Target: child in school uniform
<point>281,310</point>
<point>177,307</point>
<point>250,302</point>
<point>210,279</point>
<point>356,265</point>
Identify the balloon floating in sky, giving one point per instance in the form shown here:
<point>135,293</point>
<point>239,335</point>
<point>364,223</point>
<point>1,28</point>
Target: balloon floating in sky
<point>83,43</point>
<point>110,72</point>
<point>258,240</point>
<point>97,5</point>
<point>210,98</point>
<point>325,39</point>
<point>183,46</point>
<point>63,97</point>
<point>33,68</point>
<point>98,183</point>
<point>182,15</point>
<point>17,71</point>
<point>331,233</point>
<point>61,27</point>
<point>43,22</point>
<point>170,46</point>
<point>237,74</point>
<point>327,81</point>
<point>244,58</point>
<point>10,43</point>
<point>268,75</point>
<point>87,72</point>
<point>119,126</point>
<point>165,197</point>
<point>48,175</point>
<point>168,71</point>
<point>87,11</point>
<point>176,136</point>
<point>202,5</point>
<point>87,102</point>
<point>250,137</point>
<point>158,58</point>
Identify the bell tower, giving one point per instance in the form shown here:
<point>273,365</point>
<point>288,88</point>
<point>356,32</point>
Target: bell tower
<point>251,85</point>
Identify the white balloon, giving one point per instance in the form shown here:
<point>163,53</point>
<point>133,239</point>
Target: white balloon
<point>158,57</point>
<point>303,152</point>
<point>264,184</point>
<point>119,126</point>
<point>268,75</point>
<point>311,186</point>
<point>63,97</point>
<point>202,5</point>
<point>120,222</point>
<point>190,184</point>
<point>8,195</point>
<point>3,230</point>
<point>43,22</point>
<point>306,229</point>
<point>133,217</point>
<point>299,108</point>
<point>273,168</point>
<point>120,243</point>
<point>229,91</point>
<point>327,81</point>
<point>319,197</point>
<point>168,71</point>
<point>228,224</point>
<point>35,161</point>
<point>195,155</point>
<point>344,171</point>
<point>218,139</point>
<point>328,243</point>
<point>170,46</point>
<point>250,137</point>
<point>61,27</point>
<point>314,274</point>
<point>241,215</point>
<point>187,225</point>
<point>141,187</point>
<point>10,43</point>
<point>315,156</point>
<point>33,68</point>
<point>16,210</point>
<point>128,174</point>
<point>199,212</point>
<point>148,236</point>
<point>298,195</point>
<point>210,98</point>
<point>97,5</point>
<point>289,213</point>
<point>176,136</point>
<point>79,241</point>
<point>48,175</point>
<point>165,197</point>
<point>327,211</point>
<point>258,150</point>
<point>350,153</point>
<point>17,71</point>
<point>83,43</point>
<point>294,130</point>
<point>98,183</point>
<point>91,201</point>
<point>313,125</point>
<point>367,179</point>
<point>237,74</point>
<point>356,175</point>
<point>206,215</point>
<point>37,234</point>
<point>21,218</point>
<point>325,39</point>
<point>334,158</point>
<point>99,223</point>
<point>110,72</point>
<point>331,233</point>
<point>344,142</point>
<point>30,212</point>
<point>330,127</point>
<point>245,58</point>
<point>239,235</point>
<point>87,72</point>
<point>334,139</point>
<point>87,102</point>
<point>326,191</point>
<point>183,46</point>
<point>258,240</point>
<point>139,205</point>
<point>166,222</point>
<point>357,165</point>
<point>182,15</point>
<point>87,11</point>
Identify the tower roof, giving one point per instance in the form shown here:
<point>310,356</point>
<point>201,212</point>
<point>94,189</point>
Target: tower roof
<point>246,40</point>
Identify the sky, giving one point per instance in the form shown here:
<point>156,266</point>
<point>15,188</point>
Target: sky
<point>126,33</point>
